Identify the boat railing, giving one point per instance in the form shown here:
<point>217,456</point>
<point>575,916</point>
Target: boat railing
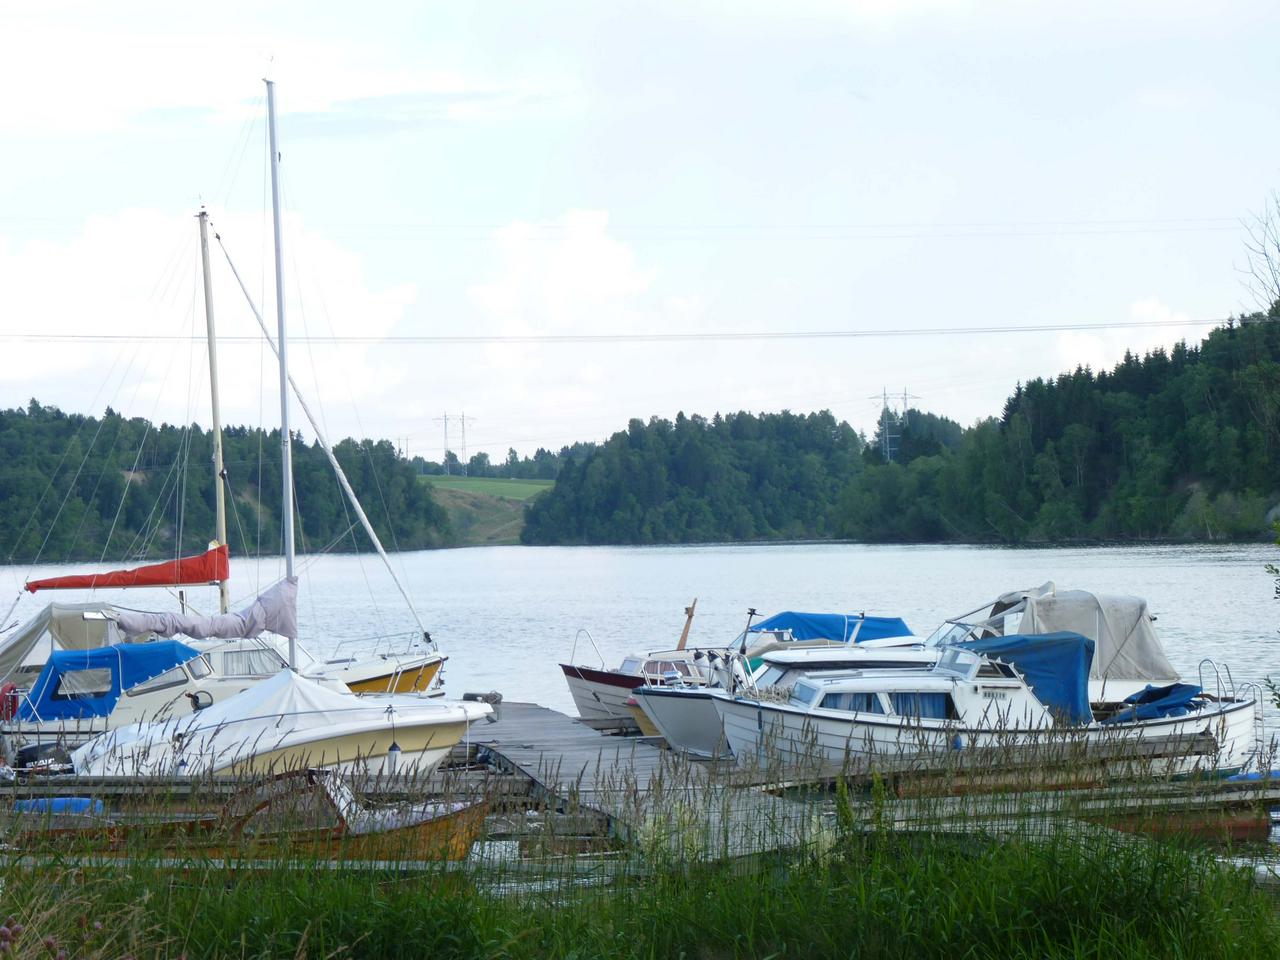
<point>1223,690</point>
<point>379,643</point>
<point>577,636</point>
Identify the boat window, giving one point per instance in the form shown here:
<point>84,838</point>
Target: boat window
<point>630,665</point>
<point>931,706</point>
<point>948,634</point>
<point>252,663</point>
<point>199,668</point>
<point>170,678</point>
<point>769,676</point>
<point>804,693</point>
<point>83,683</point>
<point>857,702</point>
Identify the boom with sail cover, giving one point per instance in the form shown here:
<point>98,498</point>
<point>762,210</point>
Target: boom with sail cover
<point>276,610</point>
<point>212,566</point>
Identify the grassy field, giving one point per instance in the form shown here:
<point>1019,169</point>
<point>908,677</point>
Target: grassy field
<point>494,487</point>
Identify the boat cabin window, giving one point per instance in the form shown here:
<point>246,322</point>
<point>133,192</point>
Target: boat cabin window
<point>630,665</point>
<point>864,702</point>
<point>769,676</point>
<point>83,683</point>
<point>804,694</point>
<point>663,668</point>
<point>175,677</point>
<point>252,663</point>
<point>992,668</point>
<point>928,706</point>
<point>199,668</point>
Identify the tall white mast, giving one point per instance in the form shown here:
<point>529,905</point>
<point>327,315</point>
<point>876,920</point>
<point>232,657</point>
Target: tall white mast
<point>286,453</point>
<point>219,473</point>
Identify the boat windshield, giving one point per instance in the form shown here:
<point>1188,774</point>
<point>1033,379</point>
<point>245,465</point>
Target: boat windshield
<point>949,633</point>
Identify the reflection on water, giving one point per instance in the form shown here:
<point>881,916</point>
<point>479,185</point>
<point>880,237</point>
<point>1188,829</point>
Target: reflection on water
<point>506,616</point>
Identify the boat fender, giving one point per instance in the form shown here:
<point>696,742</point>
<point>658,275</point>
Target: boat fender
<point>8,701</point>
<point>957,742</point>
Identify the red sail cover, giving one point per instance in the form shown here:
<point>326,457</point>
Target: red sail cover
<point>206,568</point>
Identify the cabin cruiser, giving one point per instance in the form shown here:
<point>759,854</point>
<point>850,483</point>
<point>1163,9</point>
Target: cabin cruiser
<point>286,723</point>
<point>80,694</point>
<point>601,694</point>
<point>1019,690</point>
<point>686,717</point>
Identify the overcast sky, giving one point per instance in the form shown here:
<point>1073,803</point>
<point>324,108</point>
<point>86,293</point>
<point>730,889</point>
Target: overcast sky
<point>605,168</point>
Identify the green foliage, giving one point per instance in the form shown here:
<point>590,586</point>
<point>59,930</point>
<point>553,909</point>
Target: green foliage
<point>1182,444</point>
<point>737,477</point>
<point>881,896</point>
<point>75,488</point>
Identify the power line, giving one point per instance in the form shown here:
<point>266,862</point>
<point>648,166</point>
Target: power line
<point>672,337</point>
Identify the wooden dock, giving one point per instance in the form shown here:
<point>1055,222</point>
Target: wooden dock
<point>642,792</point>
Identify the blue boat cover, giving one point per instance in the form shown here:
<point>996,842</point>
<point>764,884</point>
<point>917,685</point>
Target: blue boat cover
<point>118,667</point>
<point>834,626</point>
<point>85,805</point>
<point>1055,665</point>
<point>1152,703</point>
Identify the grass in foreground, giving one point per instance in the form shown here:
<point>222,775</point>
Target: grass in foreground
<point>877,897</point>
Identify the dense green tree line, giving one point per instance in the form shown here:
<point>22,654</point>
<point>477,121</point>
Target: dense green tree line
<point>736,477</point>
<point>75,487</point>
<point>1179,444</point>
<point>543,465</point>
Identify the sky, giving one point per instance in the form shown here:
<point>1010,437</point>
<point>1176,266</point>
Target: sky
<point>523,170</point>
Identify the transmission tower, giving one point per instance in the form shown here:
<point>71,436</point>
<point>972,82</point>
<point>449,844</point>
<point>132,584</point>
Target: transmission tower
<point>892,422</point>
<point>462,419</point>
<point>444,457</point>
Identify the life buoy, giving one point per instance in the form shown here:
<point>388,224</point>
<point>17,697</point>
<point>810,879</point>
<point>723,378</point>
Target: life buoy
<point>8,701</point>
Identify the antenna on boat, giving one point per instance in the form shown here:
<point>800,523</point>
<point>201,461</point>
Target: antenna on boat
<point>751,614</point>
<point>286,453</point>
<point>219,472</point>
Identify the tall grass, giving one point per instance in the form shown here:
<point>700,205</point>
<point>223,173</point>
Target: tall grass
<point>891,863</point>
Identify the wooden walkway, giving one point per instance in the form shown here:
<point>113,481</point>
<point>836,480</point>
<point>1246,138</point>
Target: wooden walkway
<point>645,794</point>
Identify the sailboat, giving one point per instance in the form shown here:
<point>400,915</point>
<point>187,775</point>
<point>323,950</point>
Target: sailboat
<point>290,720</point>
<point>247,655</point>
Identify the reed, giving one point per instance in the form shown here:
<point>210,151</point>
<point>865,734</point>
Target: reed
<point>873,860</point>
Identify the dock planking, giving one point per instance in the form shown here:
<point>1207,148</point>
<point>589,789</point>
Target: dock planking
<point>668,804</point>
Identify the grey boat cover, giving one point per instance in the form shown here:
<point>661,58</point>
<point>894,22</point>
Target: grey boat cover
<point>60,626</point>
<point>275,611</point>
<point>1126,645</point>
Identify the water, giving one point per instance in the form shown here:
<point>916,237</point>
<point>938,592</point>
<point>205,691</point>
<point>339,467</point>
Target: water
<point>507,616</point>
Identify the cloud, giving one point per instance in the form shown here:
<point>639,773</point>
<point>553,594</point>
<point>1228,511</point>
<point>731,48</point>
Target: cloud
<point>79,77</point>
<point>137,274</point>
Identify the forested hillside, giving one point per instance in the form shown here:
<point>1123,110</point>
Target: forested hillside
<point>737,477</point>
<point>1182,444</point>
<point>75,488</point>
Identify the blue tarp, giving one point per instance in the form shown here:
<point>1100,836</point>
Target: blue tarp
<point>1152,703</point>
<point>1055,665</point>
<point>834,626</point>
<point>119,667</point>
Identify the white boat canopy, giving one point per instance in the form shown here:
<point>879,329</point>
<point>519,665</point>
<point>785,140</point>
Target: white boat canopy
<point>1125,643</point>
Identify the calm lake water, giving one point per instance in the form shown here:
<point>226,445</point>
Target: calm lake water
<point>506,616</point>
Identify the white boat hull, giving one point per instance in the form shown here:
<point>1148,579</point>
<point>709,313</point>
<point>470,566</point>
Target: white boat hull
<point>600,694</point>
<point>775,735</point>
<point>687,719</point>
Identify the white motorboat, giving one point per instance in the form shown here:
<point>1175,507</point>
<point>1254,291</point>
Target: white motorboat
<point>601,694</point>
<point>286,723</point>
<point>686,717</point>
<point>1007,691</point>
